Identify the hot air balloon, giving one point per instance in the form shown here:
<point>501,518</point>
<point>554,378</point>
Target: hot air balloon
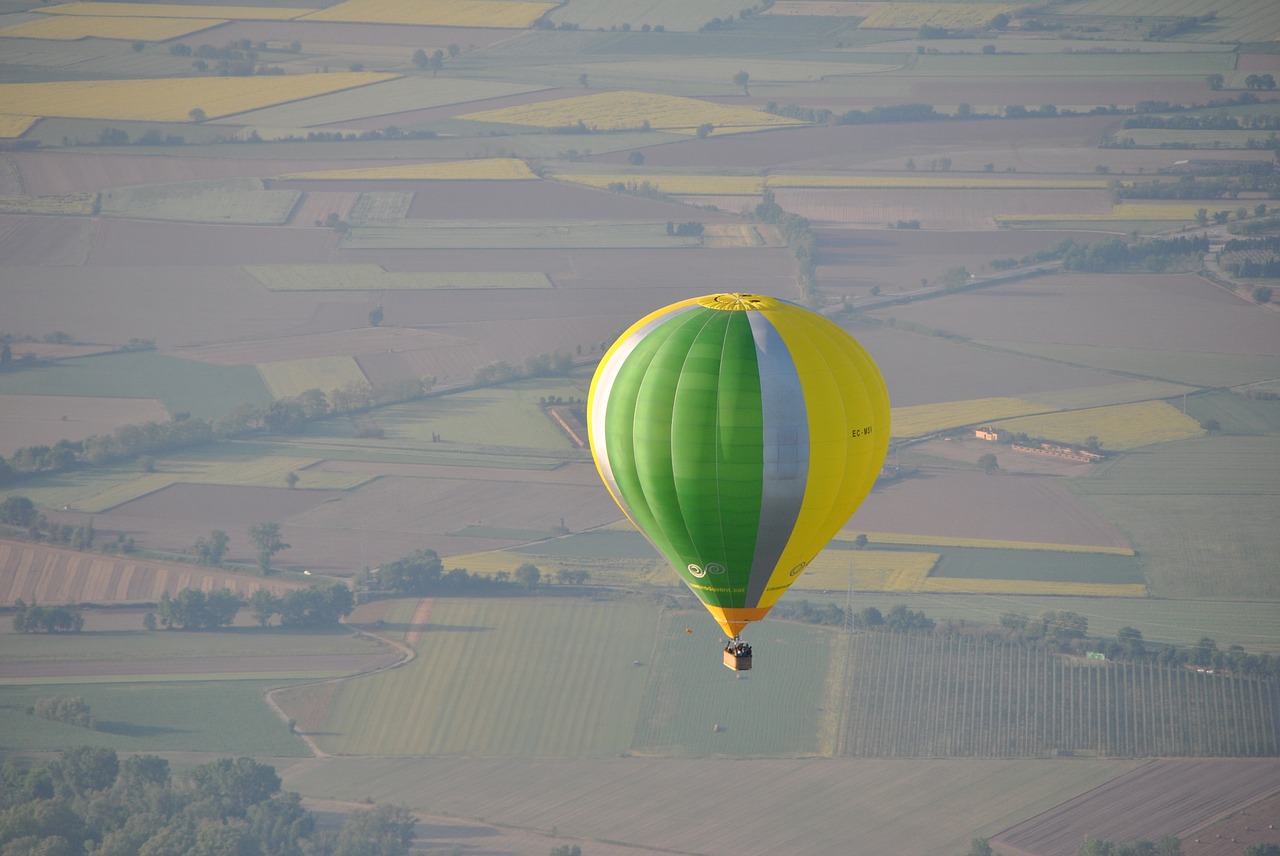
<point>739,433</point>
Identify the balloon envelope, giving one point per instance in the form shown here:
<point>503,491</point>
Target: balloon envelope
<point>739,433</point>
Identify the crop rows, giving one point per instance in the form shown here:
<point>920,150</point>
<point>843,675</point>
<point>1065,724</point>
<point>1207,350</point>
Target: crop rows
<point>128,28</point>
<point>292,377</point>
<point>960,696</point>
<point>372,277</point>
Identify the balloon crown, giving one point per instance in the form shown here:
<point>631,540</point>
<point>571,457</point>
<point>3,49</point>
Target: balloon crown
<point>738,301</point>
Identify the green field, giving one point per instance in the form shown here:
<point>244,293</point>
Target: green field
<point>1184,367</point>
<point>969,563</point>
<point>531,677</point>
<point>203,390</point>
<point>242,201</point>
<point>121,645</point>
<point>194,715</point>
<point>694,706</point>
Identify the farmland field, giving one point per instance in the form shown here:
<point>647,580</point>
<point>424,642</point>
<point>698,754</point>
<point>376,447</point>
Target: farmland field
<point>529,669</point>
<point>171,100</point>
<point>195,220</point>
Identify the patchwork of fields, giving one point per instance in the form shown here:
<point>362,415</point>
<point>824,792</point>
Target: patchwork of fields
<point>210,210</point>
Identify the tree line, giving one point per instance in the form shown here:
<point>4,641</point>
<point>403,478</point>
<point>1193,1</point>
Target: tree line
<point>284,416</point>
<point>89,800</point>
<point>317,605</point>
<point>1115,254</point>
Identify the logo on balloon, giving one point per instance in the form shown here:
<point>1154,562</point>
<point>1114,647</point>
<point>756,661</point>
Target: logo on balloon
<point>715,568</point>
<point>795,572</point>
<point>697,571</point>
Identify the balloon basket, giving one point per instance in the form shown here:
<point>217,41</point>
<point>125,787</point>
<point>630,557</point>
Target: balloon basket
<point>738,657</point>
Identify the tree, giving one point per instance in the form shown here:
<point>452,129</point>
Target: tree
<point>420,59</point>
<point>196,114</point>
<point>375,315</point>
<point>1215,81</point>
<point>636,158</point>
<point>266,537</point>
<point>437,61</point>
<point>262,605</point>
<point>528,575</point>
<point>987,463</point>
<point>414,574</point>
<point>566,850</point>
<point>979,847</point>
<point>291,479</point>
<point>381,831</point>
<point>1262,294</point>
<point>1202,216</point>
<point>139,46</point>
<point>704,130</point>
<point>211,552</point>
<point>18,511</point>
<point>454,50</point>
<point>582,81</point>
<point>1262,849</point>
<point>742,79</point>
<point>1130,640</point>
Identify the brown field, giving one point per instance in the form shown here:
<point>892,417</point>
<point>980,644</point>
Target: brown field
<point>1252,824</point>
<point>972,504</point>
<point>811,807</point>
<point>1099,311</point>
<point>39,574</point>
<point>1160,798</point>
<point>32,420</point>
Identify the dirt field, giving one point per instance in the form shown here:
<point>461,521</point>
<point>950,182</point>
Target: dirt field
<point>1158,799</point>
<point>38,574</point>
<point>1176,311</point>
<point>1256,823</point>
<point>977,505</point>
<point>34,420</point>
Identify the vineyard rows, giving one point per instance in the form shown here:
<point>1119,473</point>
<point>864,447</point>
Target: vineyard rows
<point>962,696</point>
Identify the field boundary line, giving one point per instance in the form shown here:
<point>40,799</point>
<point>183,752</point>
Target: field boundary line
<point>407,650</point>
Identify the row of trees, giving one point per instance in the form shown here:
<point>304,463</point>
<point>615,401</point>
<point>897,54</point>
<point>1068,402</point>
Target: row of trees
<point>317,605</point>
<point>554,364</point>
<point>1115,253</point>
<point>49,619</point>
<point>91,801</point>
<point>795,229</point>
<point>72,710</point>
<point>285,416</point>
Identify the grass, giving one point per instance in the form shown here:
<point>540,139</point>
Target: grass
<point>203,390</point>
<point>226,716</point>
<point>242,201</point>
<point>1119,427</point>
<point>481,169</point>
<point>62,204</point>
<point>927,418</point>
<point>694,707</point>
<point>123,645</point>
<point>172,99</point>
<point>372,277</point>
<point>288,378</point>
<point>539,659</point>
<point>1197,368</point>
<point>1225,485</point>
<point>617,111</point>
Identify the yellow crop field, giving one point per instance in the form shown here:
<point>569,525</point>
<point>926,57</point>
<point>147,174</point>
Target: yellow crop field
<point>70,204</point>
<point>873,570</point>
<point>1124,212</point>
<point>372,277</point>
<point>676,185</point>
<point>733,235</point>
<point>1122,426</point>
<point>71,27</point>
<point>927,418</point>
<point>287,378</point>
<point>436,13</point>
<point>957,16</point>
<point>173,10</point>
<point>619,111</point>
<point>13,126</point>
<point>172,99</point>
<point>480,169</point>
<point>988,543</point>
<point>935,182</point>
